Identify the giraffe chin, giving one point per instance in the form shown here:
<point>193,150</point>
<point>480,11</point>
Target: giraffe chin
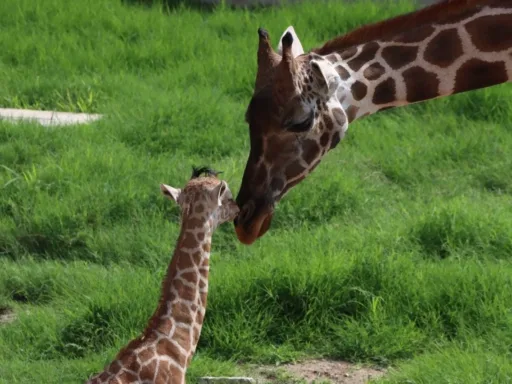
<point>259,227</point>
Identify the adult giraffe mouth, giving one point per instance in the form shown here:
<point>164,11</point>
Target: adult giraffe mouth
<point>249,229</point>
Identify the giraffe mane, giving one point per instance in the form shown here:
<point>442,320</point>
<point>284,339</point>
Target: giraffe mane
<point>437,12</point>
<point>198,171</point>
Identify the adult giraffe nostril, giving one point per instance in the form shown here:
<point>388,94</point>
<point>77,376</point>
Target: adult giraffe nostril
<point>245,213</point>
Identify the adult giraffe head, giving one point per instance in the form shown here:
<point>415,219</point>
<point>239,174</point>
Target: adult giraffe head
<point>303,102</point>
<point>294,118</point>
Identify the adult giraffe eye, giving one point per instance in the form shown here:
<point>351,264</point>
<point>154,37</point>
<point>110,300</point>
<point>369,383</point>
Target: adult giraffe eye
<point>302,126</point>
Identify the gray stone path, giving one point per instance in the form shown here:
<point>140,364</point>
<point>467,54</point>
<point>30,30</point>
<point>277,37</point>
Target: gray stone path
<point>47,118</point>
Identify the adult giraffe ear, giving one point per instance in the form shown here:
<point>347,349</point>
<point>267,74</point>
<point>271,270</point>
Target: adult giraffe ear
<point>326,75</point>
<point>297,49</point>
<point>170,192</point>
<point>220,191</point>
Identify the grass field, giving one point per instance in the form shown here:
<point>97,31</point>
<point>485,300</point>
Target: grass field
<point>396,251</point>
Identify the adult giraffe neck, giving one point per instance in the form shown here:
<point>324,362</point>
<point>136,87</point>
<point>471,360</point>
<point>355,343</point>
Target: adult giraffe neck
<point>466,51</point>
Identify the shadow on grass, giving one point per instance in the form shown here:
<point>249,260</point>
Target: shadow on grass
<point>449,232</point>
<point>37,290</point>
<point>169,5</point>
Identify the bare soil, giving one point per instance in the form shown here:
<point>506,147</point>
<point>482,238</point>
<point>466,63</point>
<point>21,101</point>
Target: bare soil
<point>320,371</point>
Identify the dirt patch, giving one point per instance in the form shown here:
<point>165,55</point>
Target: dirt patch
<point>6,315</point>
<point>320,371</point>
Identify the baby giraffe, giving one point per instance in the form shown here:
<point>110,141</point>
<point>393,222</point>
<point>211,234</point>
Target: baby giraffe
<point>162,353</point>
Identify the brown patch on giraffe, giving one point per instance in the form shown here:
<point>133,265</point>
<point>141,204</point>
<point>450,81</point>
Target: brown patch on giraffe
<point>203,268</point>
<point>199,315</point>
<point>186,260</point>
<point>344,74</point>
<point>332,58</point>
<point>165,326</point>
<point>326,126</point>
<point>165,347</point>
<point>145,355</point>
<point>339,116</point>
<point>367,53</point>
<point>336,138</point>
<point>444,48</point>
<point>182,337</point>
<point>427,87</point>
<point>196,257</point>
<point>461,16</point>
<point>476,73</point>
<point>194,223</point>
<point>200,236</point>
<point>191,277</point>
<point>127,377</point>
<point>115,367</point>
<point>202,284</point>
<point>261,174</point>
<point>348,53</point>
<point>174,372</point>
<point>184,292</point>
<point>277,184</point>
<point>164,375</point>
<point>311,150</point>
<point>358,90</point>
<point>374,71</point>
<point>352,112</point>
<point>133,363</point>
<point>399,56</point>
<point>104,376</point>
<point>199,208</point>
<point>293,183</point>
<point>197,330</point>
<point>206,247</point>
<point>415,35</point>
<point>385,92</point>
<point>315,164</point>
<point>202,299</point>
<point>189,241</point>
<point>147,372</point>
<point>324,139</point>
<point>496,37</point>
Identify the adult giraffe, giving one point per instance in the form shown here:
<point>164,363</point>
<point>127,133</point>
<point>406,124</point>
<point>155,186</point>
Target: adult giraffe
<point>303,102</point>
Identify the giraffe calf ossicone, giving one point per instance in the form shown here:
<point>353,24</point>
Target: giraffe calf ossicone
<point>164,350</point>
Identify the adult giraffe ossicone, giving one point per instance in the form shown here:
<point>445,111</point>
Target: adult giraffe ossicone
<point>303,102</point>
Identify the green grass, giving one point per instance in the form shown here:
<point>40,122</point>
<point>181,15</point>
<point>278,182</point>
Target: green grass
<point>396,251</point>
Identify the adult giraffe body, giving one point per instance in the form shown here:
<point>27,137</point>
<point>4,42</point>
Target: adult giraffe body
<point>303,102</point>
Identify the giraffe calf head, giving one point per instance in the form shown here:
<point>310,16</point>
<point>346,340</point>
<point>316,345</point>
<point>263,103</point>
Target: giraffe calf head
<point>294,119</point>
<point>204,197</point>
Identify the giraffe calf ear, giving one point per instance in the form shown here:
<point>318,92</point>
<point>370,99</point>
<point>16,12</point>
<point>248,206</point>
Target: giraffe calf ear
<point>297,49</point>
<point>220,191</point>
<point>170,192</point>
<point>325,73</point>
